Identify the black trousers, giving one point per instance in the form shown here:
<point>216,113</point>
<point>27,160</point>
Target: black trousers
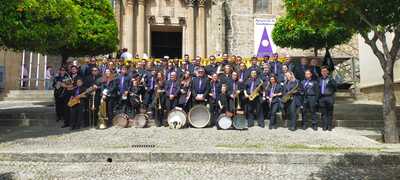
<point>290,109</point>
<point>111,103</point>
<point>309,106</point>
<point>159,113</point>
<point>171,104</point>
<point>214,110</point>
<point>67,111</point>
<point>326,106</point>
<point>273,110</point>
<point>60,105</point>
<point>255,111</point>
<point>77,115</point>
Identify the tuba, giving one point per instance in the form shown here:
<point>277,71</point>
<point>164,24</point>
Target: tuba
<point>102,114</point>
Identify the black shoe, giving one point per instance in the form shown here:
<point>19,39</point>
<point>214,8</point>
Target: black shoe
<point>64,126</point>
<point>261,126</point>
<point>275,127</point>
<point>324,129</point>
<point>270,127</point>
<point>329,128</point>
<point>315,128</point>
<point>304,127</point>
<point>292,129</point>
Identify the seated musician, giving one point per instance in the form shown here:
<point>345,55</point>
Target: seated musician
<point>135,97</point>
<point>200,87</point>
<point>77,113</point>
<point>215,91</point>
<point>235,91</point>
<point>225,102</point>
<point>274,94</point>
<point>185,93</point>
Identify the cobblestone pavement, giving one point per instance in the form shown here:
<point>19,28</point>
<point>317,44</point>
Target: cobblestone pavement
<point>55,139</point>
<point>189,170</point>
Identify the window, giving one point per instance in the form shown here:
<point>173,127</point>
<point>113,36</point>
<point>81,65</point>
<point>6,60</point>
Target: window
<point>263,6</point>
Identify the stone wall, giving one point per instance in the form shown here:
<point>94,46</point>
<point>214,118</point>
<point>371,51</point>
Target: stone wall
<point>375,93</point>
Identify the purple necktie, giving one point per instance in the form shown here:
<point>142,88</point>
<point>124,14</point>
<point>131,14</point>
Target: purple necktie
<point>252,86</point>
<point>214,95</point>
<point>152,83</point>
<point>275,69</point>
<point>323,86</point>
<point>122,85</point>
<point>272,91</point>
<point>199,84</point>
<point>241,76</point>
<point>170,89</point>
<point>77,92</point>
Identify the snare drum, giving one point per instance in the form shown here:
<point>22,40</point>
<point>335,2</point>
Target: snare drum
<point>139,121</point>
<point>240,121</point>
<point>224,122</point>
<point>120,120</point>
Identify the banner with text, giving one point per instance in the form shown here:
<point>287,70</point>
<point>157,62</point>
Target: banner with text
<point>263,43</point>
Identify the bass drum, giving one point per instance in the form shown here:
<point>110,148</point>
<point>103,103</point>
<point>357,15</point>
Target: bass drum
<point>177,119</point>
<point>121,120</point>
<point>199,116</point>
<point>240,121</point>
<point>139,121</point>
<point>224,122</point>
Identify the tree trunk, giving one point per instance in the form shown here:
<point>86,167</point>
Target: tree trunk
<point>391,132</point>
<point>315,52</point>
<point>64,60</point>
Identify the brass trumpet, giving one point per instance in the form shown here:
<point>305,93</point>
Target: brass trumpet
<point>103,114</point>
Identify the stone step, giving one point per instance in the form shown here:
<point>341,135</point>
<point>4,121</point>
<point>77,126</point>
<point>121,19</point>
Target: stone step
<point>25,122</point>
<point>30,98</point>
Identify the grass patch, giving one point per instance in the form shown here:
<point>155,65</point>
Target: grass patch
<point>331,148</point>
<point>241,146</point>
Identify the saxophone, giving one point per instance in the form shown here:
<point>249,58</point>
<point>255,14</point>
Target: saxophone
<point>255,93</point>
<point>103,114</point>
<point>289,95</point>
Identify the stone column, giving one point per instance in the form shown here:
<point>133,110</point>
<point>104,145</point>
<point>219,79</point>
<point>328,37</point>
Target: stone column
<point>127,26</point>
<point>202,29</point>
<point>190,26</point>
<point>140,43</point>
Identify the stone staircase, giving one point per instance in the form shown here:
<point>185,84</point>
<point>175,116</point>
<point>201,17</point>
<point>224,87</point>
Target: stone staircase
<point>29,95</point>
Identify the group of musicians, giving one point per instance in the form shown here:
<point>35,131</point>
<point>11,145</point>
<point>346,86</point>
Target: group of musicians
<point>261,90</point>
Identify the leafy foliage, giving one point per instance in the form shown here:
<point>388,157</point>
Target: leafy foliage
<point>294,31</point>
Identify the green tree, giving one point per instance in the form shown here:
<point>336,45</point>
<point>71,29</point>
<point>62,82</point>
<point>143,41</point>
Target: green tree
<point>374,20</point>
<point>294,33</point>
<point>37,25</point>
<point>97,31</point>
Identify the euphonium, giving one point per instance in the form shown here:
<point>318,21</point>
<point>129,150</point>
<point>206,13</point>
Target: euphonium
<point>255,93</point>
<point>103,114</point>
<point>238,100</point>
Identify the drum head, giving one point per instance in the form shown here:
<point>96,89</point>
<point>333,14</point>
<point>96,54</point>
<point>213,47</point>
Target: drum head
<point>240,122</point>
<point>224,122</point>
<point>177,119</point>
<point>199,116</point>
<point>120,120</point>
<point>140,121</point>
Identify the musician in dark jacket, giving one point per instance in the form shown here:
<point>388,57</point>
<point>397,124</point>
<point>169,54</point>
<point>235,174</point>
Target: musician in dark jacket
<point>291,90</point>
<point>275,65</point>
<point>69,86</point>
<point>301,68</point>
<point>185,93</point>
<point>150,83</point>
<point>109,89</point>
<point>227,103</point>
<point>235,91</point>
<point>172,88</point>
<point>274,94</point>
<point>254,66</point>
<point>310,93</point>
<point>315,69</point>
<point>123,83</point>
<point>93,102</point>
<point>242,73</point>
<point>200,88</point>
<point>213,97</point>
<point>135,97</point>
<point>212,67</point>
<point>159,100</point>
<point>77,111</point>
<point>225,78</point>
<point>254,109</point>
<point>327,98</point>
<point>59,95</point>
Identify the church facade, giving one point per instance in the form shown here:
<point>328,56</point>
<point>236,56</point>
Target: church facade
<point>195,27</point>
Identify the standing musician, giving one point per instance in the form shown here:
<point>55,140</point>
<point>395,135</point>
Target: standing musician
<point>235,90</point>
<point>159,100</point>
<point>242,73</point>
<point>77,111</point>
<point>254,109</point>
<point>123,83</point>
<point>200,87</point>
<point>150,84</point>
<point>69,87</point>
<point>276,66</point>
<point>185,93</point>
<point>214,93</point>
<point>327,98</point>
<point>135,97</point>
<point>274,94</point>
<point>291,90</point>
<point>109,89</point>
<point>225,78</point>
<point>172,88</point>
<point>186,65</point>
<point>93,103</point>
<point>59,96</point>
<point>310,92</point>
<point>212,67</point>
<point>254,66</point>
